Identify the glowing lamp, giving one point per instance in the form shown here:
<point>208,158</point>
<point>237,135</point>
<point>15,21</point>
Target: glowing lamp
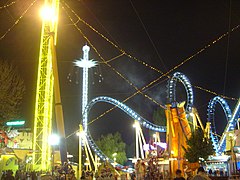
<point>54,139</point>
<point>136,124</point>
<point>81,134</point>
<point>47,13</point>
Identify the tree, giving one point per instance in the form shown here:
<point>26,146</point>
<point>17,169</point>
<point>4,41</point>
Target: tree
<point>198,146</point>
<point>159,117</point>
<point>111,144</point>
<point>12,90</point>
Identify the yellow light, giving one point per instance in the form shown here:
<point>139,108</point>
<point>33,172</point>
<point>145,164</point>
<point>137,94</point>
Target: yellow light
<point>54,139</point>
<point>48,14</point>
<point>136,124</point>
<point>81,134</point>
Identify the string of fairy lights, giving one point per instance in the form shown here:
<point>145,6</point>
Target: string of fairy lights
<point>149,66</point>
<point>117,72</point>
<point>18,20</point>
<point>124,53</point>
<point>142,62</point>
<point>8,5</point>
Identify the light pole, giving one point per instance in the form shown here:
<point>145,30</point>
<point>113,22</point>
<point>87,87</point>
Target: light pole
<point>136,126</point>
<point>81,135</point>
<point>232,139</point>
<point>53,140</point>
<point>114,158</point>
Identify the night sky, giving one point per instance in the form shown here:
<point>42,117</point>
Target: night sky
<point>162,34</point>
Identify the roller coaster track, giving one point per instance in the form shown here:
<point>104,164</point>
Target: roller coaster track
<point>142,121</point>
<point>220,144</point>
<point>188,87</point>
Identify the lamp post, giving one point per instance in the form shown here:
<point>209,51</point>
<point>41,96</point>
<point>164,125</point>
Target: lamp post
<point>53,140</point>
<point>114,158</point>
<point>155,137</point>
<point>136,126</point>
<point>232,139</point>
<point>81,135</point>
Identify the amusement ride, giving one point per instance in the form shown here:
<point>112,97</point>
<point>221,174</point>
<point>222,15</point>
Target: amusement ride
<point>182,118</point>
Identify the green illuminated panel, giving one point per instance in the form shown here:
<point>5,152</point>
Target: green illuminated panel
<point>15,123</point>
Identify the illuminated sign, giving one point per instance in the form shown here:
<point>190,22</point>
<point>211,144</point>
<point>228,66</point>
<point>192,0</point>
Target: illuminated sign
<point>15,123</point>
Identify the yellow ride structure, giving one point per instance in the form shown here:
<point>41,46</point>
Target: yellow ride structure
<point>46,87</point>
<point>179,130</point>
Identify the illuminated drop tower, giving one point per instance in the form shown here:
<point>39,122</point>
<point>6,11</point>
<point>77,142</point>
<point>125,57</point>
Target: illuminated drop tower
<point>44,91</point>
<point>86,64</point>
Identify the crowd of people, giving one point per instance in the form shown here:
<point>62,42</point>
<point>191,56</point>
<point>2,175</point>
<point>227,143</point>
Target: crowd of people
<point>59,173</point>
<point>150,170</point>
<point>201,175</point>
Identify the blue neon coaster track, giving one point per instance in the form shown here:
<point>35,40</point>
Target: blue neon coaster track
<point>142,121</point>
<point>220,144</point>
<point>188,87</point>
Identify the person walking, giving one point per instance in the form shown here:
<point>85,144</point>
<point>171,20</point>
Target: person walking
<point>9,175</point>
<point>189,174</point>
<point>201,175</point>
<point>140,170</point>
<point>179,175</point>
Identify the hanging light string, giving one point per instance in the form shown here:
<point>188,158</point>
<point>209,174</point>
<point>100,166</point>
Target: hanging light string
<point>130,83</point>
<point>138,91</point>
<point>124,53</point>
<point>211,92</point>
<point>108,40</point>
<point>8,5</point>
<point>111,67</point>
<point>153,68</point>
<point>112,59</point>
<point>18,20</point>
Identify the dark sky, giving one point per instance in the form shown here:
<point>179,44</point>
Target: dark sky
<point>162,34</point>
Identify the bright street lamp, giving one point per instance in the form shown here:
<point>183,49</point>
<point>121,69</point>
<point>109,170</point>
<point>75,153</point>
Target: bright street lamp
<point>53,140</point>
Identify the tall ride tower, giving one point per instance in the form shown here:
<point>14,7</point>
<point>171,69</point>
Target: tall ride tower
<point>86,64</point>
<point>44,91</point>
